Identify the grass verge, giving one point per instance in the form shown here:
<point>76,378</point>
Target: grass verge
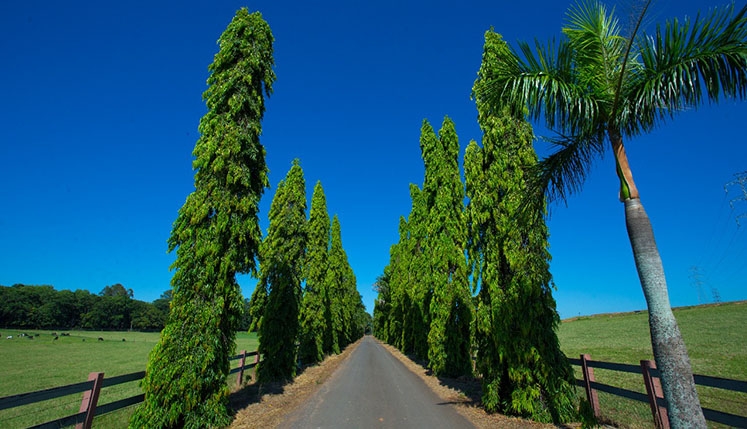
<point>43,363</point>
<point>714,338</point>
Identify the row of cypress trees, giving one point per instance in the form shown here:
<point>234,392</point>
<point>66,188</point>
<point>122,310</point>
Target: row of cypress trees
<point>298,323</point>
<point>217,235</point>
<point>473,280</point>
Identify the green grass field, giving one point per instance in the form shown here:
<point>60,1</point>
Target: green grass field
<point>41,363</point>
<point>714,336</point>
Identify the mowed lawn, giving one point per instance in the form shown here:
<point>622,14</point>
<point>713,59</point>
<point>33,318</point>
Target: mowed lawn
<point>714,336</point>
<point>42,363</point>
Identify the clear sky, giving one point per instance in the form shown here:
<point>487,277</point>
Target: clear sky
<point>101,102</point>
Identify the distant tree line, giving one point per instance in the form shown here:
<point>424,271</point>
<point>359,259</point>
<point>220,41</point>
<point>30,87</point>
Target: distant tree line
<point>43,307</point>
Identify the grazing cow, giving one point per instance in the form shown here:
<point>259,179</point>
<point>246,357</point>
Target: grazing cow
<point>54,334</point>
<point>123,339</point>
<point>101,339</point>
<point>30,337</point>
<point>9,337</point>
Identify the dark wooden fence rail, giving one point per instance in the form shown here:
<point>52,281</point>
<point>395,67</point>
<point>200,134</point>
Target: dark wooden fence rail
<point>91,389</point>
<point>653,396</point>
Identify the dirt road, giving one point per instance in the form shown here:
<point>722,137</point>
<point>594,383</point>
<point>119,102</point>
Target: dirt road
<point>372,389</point>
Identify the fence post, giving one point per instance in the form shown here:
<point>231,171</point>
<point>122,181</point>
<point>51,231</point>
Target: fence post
<point>90,398</point>
<point>241,368</point>
<point>256,362</point>
<point>654,392</point>
<point>591,394</point>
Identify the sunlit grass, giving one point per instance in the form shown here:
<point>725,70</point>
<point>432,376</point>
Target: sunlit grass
<point>42,363</point>
<point>714,336</point>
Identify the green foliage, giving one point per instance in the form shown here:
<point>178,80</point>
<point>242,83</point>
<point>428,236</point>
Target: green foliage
<point>425,305</point>
<point>42,307</point>
<point>397,276</point>
<point>523,369</point>
<point>281,257</point>
<point>257,304</point>
<point>344,298</point>
<point>450,310</point>
<point>713,334</point>
<point>596,87</point>
<point>410,293</point>
<point>216,235</point>
<point>413,277</point>
<point>316,297</point>
<point>595,84</point>
<point>382,306</point>
<point>75,356</point>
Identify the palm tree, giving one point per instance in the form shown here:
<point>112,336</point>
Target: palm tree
<point>597,88</point>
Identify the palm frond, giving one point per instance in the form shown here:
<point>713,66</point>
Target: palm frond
<point>598,47</point>
<point>541,85</point>
<point>563,173</point>
<point>685,61</point>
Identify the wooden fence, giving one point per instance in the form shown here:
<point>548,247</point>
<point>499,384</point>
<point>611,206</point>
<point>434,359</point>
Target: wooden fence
<point>91,389</point>
<point>653,395</point>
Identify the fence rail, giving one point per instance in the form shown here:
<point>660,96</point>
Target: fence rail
<point>653,396</point>
<point>91,389</point>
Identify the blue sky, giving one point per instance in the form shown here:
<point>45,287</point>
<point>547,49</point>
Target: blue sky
<point>101,102</point>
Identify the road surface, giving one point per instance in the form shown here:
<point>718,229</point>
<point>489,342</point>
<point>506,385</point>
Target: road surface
<point>372,389</point>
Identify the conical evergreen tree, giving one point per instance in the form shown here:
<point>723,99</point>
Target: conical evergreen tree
<point>451,306</point>
<point>523,369</point>
<point>409,288</point>
<point>282,256</point>
<point>258,301</point>
<point>382,306</point>
<point>416,277</point>
<point>313,320</point>
<point>398,266</point>
<point>340,277</point>
<point>257,304</point>
<point>216,235</point>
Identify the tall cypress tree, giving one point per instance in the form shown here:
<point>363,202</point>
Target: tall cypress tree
<point>410,293</point>
<point>382,306</point>
<point>339,279</point>
<point>313,320</point>
<point>257,304</point>
<point>398,266</point>
<point>283,253</point>
<point>258,301</point>
<point>417,283</point>
<point>451,305</point>
<point>216,235</point>
<point>524,371</point>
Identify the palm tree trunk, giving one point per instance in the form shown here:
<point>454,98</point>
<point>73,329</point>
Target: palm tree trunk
<point>669,348</point>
